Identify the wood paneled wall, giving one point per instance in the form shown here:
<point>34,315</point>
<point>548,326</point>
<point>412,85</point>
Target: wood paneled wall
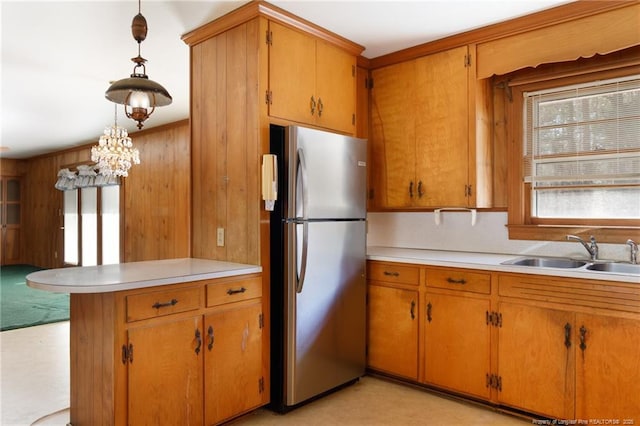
<point>42,204</point>
<point>11,167</point>
<point>156,199</point>
<point>157,196</point>
<point>226,143</point>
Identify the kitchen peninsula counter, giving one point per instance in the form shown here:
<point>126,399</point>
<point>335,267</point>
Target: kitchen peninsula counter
<point>488,262</point>
<point>134,275</point>
<point>142,340</point>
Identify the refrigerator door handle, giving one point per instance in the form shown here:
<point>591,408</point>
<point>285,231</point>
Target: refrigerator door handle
<point>302,175</point>
<point>303,260</point>
<point>302,168</point>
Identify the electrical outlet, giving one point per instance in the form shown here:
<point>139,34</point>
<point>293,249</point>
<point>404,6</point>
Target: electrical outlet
<point>220,237</point>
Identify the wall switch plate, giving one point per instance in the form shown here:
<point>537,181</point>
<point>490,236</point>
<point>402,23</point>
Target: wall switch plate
<point>220,237</point>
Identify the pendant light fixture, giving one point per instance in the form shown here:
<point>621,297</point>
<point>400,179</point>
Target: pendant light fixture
<point>114,155</point>
<point>139,95</point>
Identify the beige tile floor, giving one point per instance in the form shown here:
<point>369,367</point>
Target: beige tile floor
<point>34,373</point>
<point>35,391</point>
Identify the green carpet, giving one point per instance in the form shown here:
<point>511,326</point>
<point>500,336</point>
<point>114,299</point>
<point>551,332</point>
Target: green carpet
<point>23,306</point>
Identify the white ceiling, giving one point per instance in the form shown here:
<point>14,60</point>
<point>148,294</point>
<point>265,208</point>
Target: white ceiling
<point>58,57</point>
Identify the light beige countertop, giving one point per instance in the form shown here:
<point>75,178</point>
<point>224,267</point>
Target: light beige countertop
<point>488,262</point>
<point>134,275</point>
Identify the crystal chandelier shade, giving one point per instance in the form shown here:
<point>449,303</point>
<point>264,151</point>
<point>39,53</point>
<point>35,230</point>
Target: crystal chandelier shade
<point>114,155</point>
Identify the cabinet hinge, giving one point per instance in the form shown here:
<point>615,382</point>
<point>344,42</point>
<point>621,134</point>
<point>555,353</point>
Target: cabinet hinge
<point>268,97</point>
<point>468,189</point>
<point>494,318</point>
<point>127,353</point>
<point>353,119</point>
<point>261,385</point>
<point>467,60</point>
<point>261,320</point>
<point>494,381</point>
<point>269,38</point>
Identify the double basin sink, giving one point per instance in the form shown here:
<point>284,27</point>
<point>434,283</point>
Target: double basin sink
<point>565,263</point>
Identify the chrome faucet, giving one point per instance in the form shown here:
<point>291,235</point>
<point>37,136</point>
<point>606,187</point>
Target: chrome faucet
<point>634,251</point>
<point>591,248</point>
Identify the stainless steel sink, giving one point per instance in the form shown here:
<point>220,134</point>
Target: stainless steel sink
<point>622,268</point>
<point>585,265</point>
<point>547,262</point>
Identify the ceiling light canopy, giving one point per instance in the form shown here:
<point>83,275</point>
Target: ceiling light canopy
<point>138,93</point>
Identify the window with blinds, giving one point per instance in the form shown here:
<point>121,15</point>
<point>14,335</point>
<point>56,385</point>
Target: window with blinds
<point>582,150</point>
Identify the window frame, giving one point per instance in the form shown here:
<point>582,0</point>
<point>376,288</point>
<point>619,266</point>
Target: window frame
<point>99,213</point>
<point>521,225</point>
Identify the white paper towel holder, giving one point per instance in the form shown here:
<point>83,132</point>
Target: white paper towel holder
<point>436,213</point>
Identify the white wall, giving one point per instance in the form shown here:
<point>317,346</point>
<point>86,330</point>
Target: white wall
<point>455,232</point>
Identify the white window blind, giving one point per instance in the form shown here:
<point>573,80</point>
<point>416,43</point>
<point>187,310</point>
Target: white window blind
<point>582,149</point>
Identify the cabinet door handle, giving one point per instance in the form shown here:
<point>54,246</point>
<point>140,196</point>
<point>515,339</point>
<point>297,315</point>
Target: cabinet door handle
<point>211,337</point>
<point>583,338</point>
<point>429,306</point>
<point>567,335</point>
<point>320,107</point>
<point>413,309</point>
<point>461,281</point>
<point>391,274</point>
<point>198,341</point>
<point>411,189</point>
<point>312,105</point>
<point>159,305</point>
<point>232,291</point>
<point>420,190</point>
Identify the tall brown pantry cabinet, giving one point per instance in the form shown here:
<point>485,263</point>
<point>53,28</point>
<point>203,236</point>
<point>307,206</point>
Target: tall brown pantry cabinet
<point>246,74</point>
<point>255,66</point>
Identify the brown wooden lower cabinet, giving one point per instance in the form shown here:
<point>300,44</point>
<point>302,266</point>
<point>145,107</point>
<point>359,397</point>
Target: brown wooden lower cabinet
<point>553,347</point>
<point>178,354</point>
<point>607,368</point>
<point>393,319</point>
<point>570,348</point>
<point>164,381</point>
<point>393,330</point>
<point>457,330</point>
<point>567,365</point>
<point>536,360</point>
<point>457,343</point>
<point>233,362</point>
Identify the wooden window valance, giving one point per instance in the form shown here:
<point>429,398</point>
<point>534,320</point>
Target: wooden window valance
<point>584,37</point>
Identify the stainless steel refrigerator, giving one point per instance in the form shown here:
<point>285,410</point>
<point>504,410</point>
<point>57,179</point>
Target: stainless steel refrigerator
<point>318,248</point>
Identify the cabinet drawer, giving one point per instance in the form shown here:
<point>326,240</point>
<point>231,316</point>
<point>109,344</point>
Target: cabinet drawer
<point>393,273</point>
<point>454,279</point>
<point>159,303</point>
<point>568,292</point>
<point>233,291</point>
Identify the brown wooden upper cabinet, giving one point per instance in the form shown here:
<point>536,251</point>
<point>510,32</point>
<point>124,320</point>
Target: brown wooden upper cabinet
<point>430,133</point>
<point>310,80</point>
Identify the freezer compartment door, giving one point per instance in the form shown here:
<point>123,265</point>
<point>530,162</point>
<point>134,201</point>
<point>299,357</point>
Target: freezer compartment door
<point>325,336</point>
<point>330,175</point>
